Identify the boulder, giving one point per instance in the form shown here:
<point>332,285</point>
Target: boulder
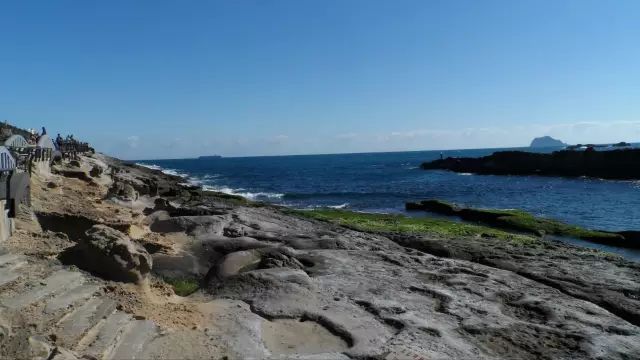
<point>74,163</point>
<point>96,171</point>
<point>163,204</point>
<point>39,348</point>
<point>111,254</point>
<point>239,261</point>
<point>122,191</point>
<point>160,215</point>
<point>279,257</point>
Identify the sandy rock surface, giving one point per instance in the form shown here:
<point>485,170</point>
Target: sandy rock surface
<point>272,285</point>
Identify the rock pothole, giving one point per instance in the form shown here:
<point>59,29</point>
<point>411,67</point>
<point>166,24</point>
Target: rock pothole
<point>300,336</point>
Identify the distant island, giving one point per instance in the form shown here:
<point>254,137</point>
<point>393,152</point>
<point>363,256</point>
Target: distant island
<point>546,141</point>
<point>209,157</point>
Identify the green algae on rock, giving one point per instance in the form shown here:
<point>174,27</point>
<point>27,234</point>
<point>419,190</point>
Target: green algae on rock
<point>518,220</point>
<point>390,223</point>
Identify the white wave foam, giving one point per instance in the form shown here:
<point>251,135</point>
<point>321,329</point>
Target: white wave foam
<point>244,194</point>
<point>152,167</point>
<point>341,206</point>
<point>173,172</point>
<point>465,174</point>
<point>201,182</point>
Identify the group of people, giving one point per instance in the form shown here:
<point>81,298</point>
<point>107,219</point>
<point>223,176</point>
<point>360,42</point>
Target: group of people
<point>70,147</point>
<point>34,136</point>
<point>68,139</point>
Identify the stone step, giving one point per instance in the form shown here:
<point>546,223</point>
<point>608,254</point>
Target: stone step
<point>137,334</point>
<point>107,335</point>
<point>9,258</point>
<point>59,281</point>
<point>73,326</point>
<point>7,276</point>
<point>9,263</point>
<point>70,297</point>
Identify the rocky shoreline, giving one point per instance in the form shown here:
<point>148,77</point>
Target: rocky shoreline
<point>516,220</point>
<point>265,282</point>
<point>614,164</point>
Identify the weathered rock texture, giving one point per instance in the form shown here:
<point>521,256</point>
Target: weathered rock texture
<point>122,191</point>
<point>277,286</point>
<point>111,254</point>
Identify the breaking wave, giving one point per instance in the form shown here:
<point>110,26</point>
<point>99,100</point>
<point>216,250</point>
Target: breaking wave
<point>202,183</point>
<point>173,172</point>
<point>244,193</point>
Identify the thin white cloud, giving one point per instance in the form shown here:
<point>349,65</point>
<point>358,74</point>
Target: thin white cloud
<point>278,140</point>
<point>346,136</point>
<point>133,141</point>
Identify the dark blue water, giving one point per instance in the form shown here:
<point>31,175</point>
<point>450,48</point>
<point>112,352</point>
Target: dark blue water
<point>383,182</point>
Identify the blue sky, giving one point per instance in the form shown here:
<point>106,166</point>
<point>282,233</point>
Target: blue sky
<point>158,79</point>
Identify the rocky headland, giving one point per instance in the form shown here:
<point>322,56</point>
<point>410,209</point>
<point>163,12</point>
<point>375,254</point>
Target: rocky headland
<point>115,261</point>
<point>615,164</point>
<point>546,141</point>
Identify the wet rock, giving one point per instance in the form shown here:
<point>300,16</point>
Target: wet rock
<point>110,254</point>
<point>52,185</point>
<point>74,163</point>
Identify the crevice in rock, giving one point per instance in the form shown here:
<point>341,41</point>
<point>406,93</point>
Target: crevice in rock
<point>368,307</point>
<point>333,328</point>
<point>74,226</point>
<point>431,331</point>
<point>619,308</point>
<point>394,323</point>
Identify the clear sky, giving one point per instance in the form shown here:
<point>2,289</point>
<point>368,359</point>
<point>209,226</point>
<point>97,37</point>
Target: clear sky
<point>159,79</point>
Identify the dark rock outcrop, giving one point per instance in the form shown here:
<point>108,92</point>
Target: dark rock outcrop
<point>615,164</point>
<point>122,191</point>
<point>96,171</point>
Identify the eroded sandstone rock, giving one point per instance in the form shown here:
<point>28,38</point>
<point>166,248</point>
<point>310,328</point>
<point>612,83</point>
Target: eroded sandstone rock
<point>96,171</point>
<point>110,254</point>
<point>122,191</point>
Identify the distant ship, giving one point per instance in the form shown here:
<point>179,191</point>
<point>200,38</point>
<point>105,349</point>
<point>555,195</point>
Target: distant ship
<point>209,157</point>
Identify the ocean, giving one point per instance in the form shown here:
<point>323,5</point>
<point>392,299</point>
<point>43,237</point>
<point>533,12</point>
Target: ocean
<point>383,182</point>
